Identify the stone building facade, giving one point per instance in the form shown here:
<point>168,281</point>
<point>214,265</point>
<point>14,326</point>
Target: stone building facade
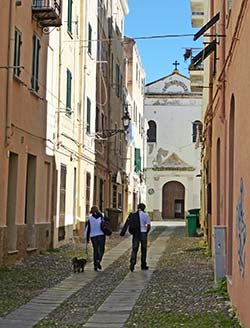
<point>173,113</point>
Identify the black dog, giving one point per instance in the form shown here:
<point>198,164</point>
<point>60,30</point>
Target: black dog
<point>78,264</point>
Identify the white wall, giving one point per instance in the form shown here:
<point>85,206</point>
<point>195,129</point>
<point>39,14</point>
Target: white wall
<point>170,103</point>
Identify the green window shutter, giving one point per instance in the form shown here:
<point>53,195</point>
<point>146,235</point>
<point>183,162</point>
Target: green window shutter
<point>69,25</point>
<point>17,52</point>
<point>89,39</point>
<point>68,91</point>
<point>117,80</point>
<point>88,114</point>
<point>137,160</point>
<point>35,63</point>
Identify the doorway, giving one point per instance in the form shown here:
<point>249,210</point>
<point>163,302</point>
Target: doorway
<point>173,200</point>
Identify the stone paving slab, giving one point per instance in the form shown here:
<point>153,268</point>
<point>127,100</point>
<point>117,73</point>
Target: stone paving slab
<point>128,291</point>
<point>39,307</point>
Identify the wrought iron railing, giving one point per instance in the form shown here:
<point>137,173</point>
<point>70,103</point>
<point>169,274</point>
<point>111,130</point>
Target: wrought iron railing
<point>48,4</point>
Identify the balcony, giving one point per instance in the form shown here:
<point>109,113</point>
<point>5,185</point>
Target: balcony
<point>197,8</point>
<point>47,12</point>
<point>196,78</point>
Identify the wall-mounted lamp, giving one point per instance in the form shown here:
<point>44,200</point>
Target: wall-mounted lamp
<point>110,133</point>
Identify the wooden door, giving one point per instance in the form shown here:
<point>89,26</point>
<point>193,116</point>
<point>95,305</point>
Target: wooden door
<point>173,200</point>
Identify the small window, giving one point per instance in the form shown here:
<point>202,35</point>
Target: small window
<point>88,114</point>
<point>197,131</point>
<point>69,23</point>
<point>103,122</point>
<point>97,125</point>
<point>117,80</point>
<point>114,196</point>
<point>119,200</point>
<point>151,133</point>
<point>229,5</point>
<point>35,63</point>
<point>89,39</point>
<point>17,52</point>
<point>88,187</point>
<point>69,91</point>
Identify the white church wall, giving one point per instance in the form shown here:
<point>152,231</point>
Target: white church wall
<point>174,156</point>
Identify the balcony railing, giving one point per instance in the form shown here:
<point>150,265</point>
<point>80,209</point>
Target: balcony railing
<point>197,9</point>
<point>47,12</point>
<point>196,77</point>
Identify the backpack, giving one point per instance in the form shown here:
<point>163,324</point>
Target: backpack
<point>134,226</point>
<point>106,227</point>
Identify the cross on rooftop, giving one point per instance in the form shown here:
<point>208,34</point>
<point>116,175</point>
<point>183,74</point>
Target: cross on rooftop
<point>176,65</point>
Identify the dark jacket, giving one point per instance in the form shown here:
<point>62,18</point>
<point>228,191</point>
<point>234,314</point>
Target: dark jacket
<point>125,226</point>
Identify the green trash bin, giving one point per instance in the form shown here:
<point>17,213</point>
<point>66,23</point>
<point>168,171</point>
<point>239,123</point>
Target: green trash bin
<point>195,211</point>
<point>191,225</point>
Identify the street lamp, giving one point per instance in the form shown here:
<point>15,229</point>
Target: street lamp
<point>107,133</point>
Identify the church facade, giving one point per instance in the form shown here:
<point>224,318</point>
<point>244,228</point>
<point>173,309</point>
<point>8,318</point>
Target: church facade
<point>174,116</point>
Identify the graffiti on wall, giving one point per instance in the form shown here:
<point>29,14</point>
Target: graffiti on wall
<point>241,231</point>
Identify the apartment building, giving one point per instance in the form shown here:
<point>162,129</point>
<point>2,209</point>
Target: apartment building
<point>71,75</point>
<point>26,169</point>
<point>226,155</point>
<point>110,108</point>
<point>134,83</point>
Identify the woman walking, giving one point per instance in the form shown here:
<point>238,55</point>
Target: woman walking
<point>96,235</point>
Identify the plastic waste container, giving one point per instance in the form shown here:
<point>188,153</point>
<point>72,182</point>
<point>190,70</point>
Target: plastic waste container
<point>195,211</point>
<point>191,225</point>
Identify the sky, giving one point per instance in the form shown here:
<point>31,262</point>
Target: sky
<point>160,17</point>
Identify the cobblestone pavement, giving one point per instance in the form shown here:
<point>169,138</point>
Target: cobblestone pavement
<point>180,280</point>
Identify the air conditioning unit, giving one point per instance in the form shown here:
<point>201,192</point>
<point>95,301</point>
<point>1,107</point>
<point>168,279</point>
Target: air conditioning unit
<point>219,238</point>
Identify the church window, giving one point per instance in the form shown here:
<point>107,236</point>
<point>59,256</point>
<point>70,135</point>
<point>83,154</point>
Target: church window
<point>197,131</point>
<point>151,133</point>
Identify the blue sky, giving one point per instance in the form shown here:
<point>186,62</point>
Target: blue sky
<point>160,17</point>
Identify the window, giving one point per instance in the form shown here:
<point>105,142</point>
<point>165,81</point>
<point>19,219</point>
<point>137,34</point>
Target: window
<point>69,25</point>
<point>118,81</point>
<point>197,131</point>
<point>89,39</point>
<point>88,114</point>
<point>95,190</point>
<point>35,63</point>
<point>18,43</point>
<point>97,119</point>
<point>63,177</point>
<point>114,196</point>
<point>151,133</point>
<point>101,195</point>
<point>103,58</point>
<point>119,200</point>
<point>103,121</point>
<point>229,5</point>
<point>62,193</point>
<point>68,91</point>
<point>112,68</point>
<point>88,186</point>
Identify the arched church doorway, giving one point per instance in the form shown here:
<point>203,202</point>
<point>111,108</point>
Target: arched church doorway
<point>173,200</point>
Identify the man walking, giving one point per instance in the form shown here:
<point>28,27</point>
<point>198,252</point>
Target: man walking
<point>139,226</point>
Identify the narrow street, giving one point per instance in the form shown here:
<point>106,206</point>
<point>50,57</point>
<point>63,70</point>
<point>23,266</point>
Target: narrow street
<point>177,290</point>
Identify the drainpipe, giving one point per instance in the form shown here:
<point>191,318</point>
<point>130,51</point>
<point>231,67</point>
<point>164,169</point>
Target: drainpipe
<point>82,96</point>
<point>59,89</point>
<point>9,74</point>
<point>223,95</point>
<point>223,58</point>
<point>109,112</point>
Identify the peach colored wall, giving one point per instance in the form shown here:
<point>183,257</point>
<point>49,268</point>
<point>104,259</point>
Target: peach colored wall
<point>237,83</point>
<point>27,115</point>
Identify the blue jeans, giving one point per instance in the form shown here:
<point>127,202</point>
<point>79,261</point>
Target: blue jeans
<point>142,239</point>
<point>98,243</point>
